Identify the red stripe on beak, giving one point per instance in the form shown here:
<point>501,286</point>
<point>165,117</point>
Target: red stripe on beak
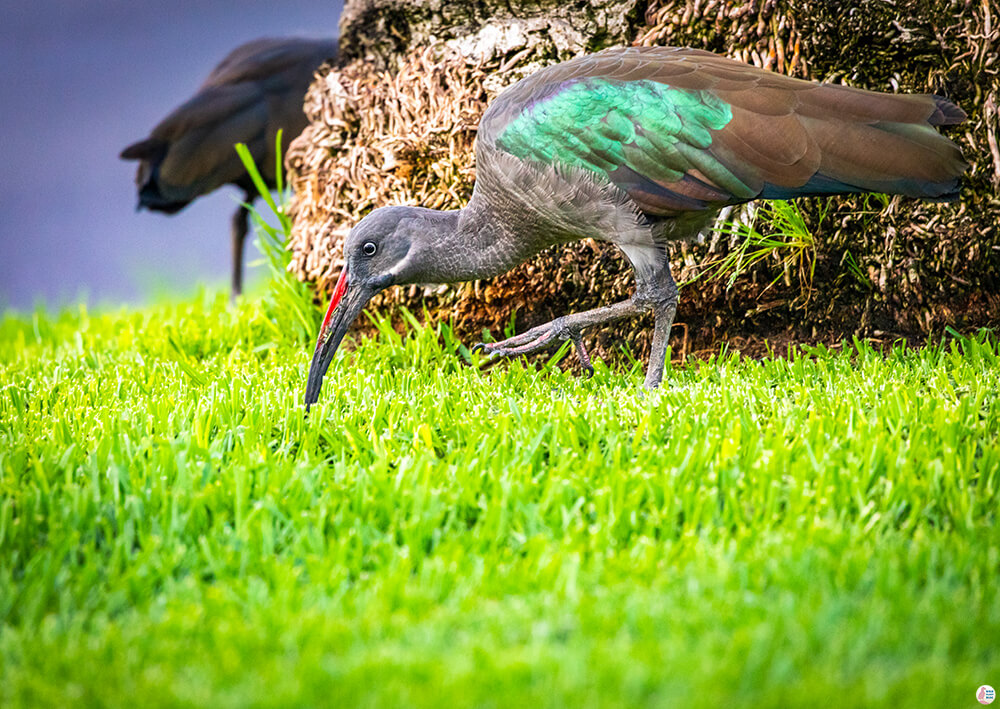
<point>338,293</point>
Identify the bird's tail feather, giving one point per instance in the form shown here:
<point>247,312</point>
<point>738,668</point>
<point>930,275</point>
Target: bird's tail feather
<point>895,152</point>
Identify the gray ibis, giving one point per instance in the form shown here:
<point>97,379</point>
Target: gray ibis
<point>640,147</point>
<point>258,89</point>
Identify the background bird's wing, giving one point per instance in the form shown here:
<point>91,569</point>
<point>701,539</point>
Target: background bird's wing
<point>256,90</point>
<point>266,58</point>
<point>201,134</point>
<point>681,129</point>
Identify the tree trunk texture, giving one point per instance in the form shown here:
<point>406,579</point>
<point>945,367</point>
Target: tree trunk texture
<point>395,122</point>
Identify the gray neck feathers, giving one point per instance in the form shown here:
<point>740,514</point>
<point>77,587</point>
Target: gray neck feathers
<point>463,245</point>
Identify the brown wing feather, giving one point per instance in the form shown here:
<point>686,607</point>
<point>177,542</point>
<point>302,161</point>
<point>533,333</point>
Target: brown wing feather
<point>787,136</point>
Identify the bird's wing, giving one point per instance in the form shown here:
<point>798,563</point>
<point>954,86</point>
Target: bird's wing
<point>201,134</point>
<point>267,58</point>
<point>256,90</point>
<point>682,130</point>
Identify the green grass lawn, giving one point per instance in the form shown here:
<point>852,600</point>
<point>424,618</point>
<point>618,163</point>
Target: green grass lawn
<point>812,531</point>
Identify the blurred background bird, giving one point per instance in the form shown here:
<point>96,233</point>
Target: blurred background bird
<point>257,90</point>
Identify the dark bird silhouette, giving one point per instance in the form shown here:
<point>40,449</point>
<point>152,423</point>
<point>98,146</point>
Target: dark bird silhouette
<point>255,91</point>
<point>640,147</point>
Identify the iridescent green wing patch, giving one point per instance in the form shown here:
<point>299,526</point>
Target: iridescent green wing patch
<point>656,131</point>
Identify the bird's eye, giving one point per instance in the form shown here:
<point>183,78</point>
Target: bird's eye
<point>369,248</point>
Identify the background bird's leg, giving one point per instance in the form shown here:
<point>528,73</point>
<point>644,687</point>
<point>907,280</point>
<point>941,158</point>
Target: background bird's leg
<point>240,227</point>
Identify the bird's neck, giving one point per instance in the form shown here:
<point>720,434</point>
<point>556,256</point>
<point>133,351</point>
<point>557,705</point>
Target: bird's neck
<point>464,245</point>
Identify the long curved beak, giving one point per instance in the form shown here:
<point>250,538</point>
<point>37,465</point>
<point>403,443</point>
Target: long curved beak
<point>347,302</point>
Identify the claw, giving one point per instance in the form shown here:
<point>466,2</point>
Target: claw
<point>478,347</point>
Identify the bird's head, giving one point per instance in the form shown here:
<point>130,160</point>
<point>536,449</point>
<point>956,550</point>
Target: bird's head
<point>377,254</point>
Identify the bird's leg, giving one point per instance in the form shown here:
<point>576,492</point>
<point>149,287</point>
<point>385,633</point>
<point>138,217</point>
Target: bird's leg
<point>240,226</point>
<point>656,291</point>
<point>660,292</point>
<point>567,327</point>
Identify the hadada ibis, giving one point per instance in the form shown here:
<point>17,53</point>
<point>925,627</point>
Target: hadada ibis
<point>640,147</point>
<point>256,90</point>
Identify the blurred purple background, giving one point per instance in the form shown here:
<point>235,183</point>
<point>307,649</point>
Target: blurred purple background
<point>81,79</point>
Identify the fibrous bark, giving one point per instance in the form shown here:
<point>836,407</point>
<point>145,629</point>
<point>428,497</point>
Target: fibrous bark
<point>395,123</point>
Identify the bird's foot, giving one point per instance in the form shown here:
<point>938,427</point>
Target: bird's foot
<point>536,339</point>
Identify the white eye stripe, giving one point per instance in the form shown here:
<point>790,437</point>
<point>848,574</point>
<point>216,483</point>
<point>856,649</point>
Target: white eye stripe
<point>369,248</point>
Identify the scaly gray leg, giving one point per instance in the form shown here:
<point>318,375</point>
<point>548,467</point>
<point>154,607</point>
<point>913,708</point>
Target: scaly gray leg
<point>662,297</point>
<point>240,226</point>
<point>656,292</point>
